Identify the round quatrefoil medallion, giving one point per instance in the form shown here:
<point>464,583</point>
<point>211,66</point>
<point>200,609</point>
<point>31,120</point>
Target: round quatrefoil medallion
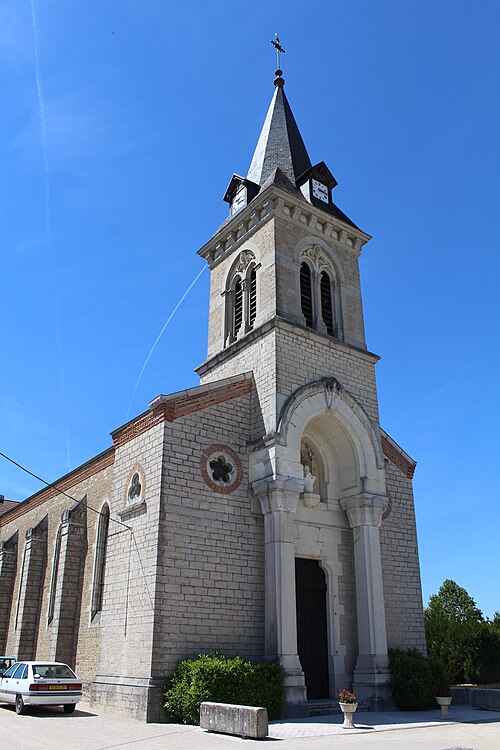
<point>221,469</point>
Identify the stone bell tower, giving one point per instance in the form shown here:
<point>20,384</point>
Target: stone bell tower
<point>285,304</point>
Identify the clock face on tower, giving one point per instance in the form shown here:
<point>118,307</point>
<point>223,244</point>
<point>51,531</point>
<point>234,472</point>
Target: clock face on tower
<point>319,191</point>
<point>239,200</point>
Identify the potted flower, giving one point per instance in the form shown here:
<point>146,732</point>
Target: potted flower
<point>348,705</point>
<point>443,697</point>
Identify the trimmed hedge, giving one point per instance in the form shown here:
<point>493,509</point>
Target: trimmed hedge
<point>215,677</point>
<point>415,679</point>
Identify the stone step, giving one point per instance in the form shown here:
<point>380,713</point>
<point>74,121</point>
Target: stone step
<point>325,706</point>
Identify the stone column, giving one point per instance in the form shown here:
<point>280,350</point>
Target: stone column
<point>68,583</point>
<point>29,602</point>
<point>279,499</point>
<point>371,675</point>
<point>8,561</point>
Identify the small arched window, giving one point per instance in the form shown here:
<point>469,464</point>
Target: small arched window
<point>306,298</point>
<point>327,303</point>
<point>53,579</point>
<point>100,561</point>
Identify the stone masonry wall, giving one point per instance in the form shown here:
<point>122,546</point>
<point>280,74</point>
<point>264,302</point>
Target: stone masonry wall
<point>96,487</point>
<point>400,566</point>
<point>8,561</point>
<point>210,590</point>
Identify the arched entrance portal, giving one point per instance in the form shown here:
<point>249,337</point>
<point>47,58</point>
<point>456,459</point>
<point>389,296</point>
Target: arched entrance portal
<point>312,638</point>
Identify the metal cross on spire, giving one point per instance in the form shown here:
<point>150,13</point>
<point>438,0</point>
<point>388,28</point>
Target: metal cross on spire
<point>276,43</point>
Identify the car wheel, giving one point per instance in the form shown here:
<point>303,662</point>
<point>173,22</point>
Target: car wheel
<point>69,708</point>
<point>20,707</point>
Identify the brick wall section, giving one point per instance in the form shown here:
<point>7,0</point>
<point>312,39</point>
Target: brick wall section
<point>27,614</point>
<point>400,565</point>
<point>210,589</point>
<point>8,561</point>
<point>397,458</point>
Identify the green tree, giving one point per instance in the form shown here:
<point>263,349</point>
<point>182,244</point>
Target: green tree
<point>458,635</point>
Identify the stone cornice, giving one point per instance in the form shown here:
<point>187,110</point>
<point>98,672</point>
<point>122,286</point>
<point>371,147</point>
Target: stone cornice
<point>274,202</point>
<point>270,325</point>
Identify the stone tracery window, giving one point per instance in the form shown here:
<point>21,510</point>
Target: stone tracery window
<point>320,293</point>
<point>241,297</point>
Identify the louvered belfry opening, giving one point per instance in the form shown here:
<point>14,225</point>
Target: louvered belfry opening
<point>252,298</point>
<point>326,303</point>
<point>238,307</point>
<point>306,301</point>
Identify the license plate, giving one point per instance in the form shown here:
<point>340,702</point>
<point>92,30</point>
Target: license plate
<point>58,687</point>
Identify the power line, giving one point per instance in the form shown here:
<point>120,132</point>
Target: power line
<point>53,485</point>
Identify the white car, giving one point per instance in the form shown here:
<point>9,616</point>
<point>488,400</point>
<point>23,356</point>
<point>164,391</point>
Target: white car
<point>40,683</point>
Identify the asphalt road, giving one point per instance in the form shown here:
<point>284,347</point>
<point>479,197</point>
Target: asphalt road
<point>91,729</point>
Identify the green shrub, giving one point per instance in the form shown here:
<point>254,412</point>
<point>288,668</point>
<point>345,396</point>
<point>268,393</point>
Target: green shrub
<point>415,679</point>
<point>214,677</point>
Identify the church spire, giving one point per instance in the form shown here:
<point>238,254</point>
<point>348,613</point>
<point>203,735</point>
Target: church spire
<point>280,143</point>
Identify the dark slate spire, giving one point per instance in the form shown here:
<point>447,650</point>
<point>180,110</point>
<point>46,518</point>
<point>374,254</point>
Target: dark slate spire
<point>280,143</point>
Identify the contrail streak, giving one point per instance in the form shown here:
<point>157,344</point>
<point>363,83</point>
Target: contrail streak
<point>43,121</point>
<point>47,206</point>
<point>161,334</point>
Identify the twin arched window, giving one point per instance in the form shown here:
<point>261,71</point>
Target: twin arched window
<point>241,298</point>
<point>319,294</point>
<point>100,561</point>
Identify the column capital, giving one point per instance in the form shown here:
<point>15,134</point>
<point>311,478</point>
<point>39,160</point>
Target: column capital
<point>278,494</point>
<point>364,509</point>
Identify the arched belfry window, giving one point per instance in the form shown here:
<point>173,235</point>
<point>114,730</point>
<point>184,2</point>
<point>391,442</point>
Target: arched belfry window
<point>306,299</point>
<point>320,303</point>
<point>241,297</point>
<point>252,296</point>
<point>100,561</point>
<point>327,302</point>
<point>237,307</point>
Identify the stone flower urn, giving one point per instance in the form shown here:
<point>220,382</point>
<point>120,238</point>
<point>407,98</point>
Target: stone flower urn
<point>348,705</point>
<point>444,701</point>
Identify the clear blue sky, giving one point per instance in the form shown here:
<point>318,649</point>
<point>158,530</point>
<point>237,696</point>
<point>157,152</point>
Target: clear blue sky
<point>114,162</point>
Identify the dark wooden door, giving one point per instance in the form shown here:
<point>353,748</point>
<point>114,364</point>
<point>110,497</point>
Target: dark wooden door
<point>312,639</point>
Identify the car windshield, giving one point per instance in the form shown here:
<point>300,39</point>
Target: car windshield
<point>53,671</point>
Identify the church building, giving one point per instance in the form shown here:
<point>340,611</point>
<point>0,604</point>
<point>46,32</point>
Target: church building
<point>263,512</point>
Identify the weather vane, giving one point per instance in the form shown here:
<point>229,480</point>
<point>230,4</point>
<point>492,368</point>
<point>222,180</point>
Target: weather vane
<point>276,43</point>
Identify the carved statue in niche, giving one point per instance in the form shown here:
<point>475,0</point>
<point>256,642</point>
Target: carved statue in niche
<point>135,489</point>
<point>309,479</point>
<point>310,467</point>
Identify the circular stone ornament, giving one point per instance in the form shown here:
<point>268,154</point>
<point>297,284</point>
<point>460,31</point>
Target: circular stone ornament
<point>221,469</point>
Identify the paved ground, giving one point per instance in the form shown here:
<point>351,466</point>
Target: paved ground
<point>88,729</point>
